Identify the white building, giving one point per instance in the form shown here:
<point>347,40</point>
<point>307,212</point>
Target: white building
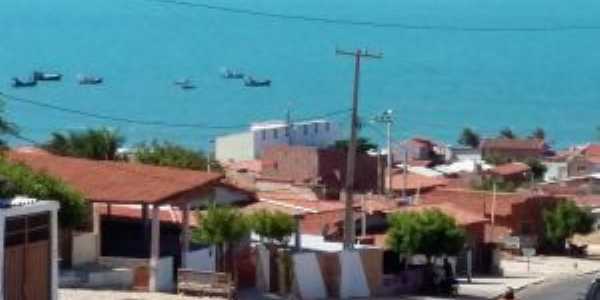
<point>250,144</point>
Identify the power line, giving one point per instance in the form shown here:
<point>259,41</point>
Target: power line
<point>350,22</point>
<point>148,122</point>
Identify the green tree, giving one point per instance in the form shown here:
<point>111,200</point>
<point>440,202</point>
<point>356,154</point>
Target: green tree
<point>538,133</point>
<point>469,138</point>
<point>363,145</point>
<point>98,144</point>
<point>18,179</point>
<point>537,168</point>
<point>563,221</point>
<point>431,233</point>
<point>507,133</point>
<point>172,155</point>
<point>6,128</point>
<point>275,227</point>
<point>222,227</point>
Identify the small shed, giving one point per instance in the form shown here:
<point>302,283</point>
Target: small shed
<point>29,251</point>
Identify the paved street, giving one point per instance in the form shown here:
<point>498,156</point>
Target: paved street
<point>572,287</point>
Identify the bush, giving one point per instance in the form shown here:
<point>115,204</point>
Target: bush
<point>431,233</point>
<point>563,221</point>
<point>276,227</point>
<point>171,155</point>
<point>20,180</point>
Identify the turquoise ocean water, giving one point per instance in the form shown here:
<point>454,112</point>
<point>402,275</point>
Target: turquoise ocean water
<point>437,81</point>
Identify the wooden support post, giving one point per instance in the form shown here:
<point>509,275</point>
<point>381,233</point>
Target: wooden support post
<point>298,234</point>
<point>154,249</point>
<point>185,235</point>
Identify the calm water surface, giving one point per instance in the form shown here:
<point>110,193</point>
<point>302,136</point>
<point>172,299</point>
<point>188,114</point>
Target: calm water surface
<point>437,81</point>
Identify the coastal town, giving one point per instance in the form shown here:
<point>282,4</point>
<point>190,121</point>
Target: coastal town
<point>264,215</point>
<point>340,149</point>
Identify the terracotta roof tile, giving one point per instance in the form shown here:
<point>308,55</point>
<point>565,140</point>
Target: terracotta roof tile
<point>117,182</point>
<point>415,181</point>
<point>521,144</point>
<point>510,169</point>
<point>462,216</point>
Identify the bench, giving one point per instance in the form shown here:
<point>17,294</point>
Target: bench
<point>199,283</point>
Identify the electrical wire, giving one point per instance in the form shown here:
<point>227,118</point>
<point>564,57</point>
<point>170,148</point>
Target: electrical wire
<point>351,22</point>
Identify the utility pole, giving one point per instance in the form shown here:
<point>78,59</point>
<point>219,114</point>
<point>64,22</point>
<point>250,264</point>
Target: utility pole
<point>386,118</point>
<point>348,189</point>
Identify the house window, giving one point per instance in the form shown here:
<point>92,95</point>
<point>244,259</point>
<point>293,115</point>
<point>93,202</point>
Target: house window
<point>305,129</point>
<point>327,126</point>
<point>264,135</point>
<point>316,128</point>
<point>275,134</point>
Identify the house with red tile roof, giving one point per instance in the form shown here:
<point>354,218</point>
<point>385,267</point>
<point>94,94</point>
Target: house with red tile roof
<point>154,194</point>
<point>516,172</point>
<point>513,149</point>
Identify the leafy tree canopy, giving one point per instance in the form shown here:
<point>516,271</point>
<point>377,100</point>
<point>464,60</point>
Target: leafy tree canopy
<point>564,220</point>
<point>507,133</point>
<point>538,133</point>
<point>276,227</point>
<point>172,155</point>
<point>537,168</point>
<point>220,226</point>
<point>469,138</point>
<point>363,145</point>
<point>17,179</point>
<point>98,144</point>
<point>430,232</point>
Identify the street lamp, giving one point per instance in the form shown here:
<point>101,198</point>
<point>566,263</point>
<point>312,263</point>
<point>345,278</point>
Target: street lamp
<point>386,118</point>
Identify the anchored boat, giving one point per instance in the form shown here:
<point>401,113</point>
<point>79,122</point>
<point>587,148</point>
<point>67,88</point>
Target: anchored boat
<point>44,76</point>
<point>251,82</point>
<point>24,83</point>
<point>90,80</point>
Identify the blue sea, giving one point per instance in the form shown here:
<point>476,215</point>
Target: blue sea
<point>436,77</point>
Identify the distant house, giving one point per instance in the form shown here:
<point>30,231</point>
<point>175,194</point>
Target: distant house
<point>513,149</point>
<point>584,161</point>
<point>414,183</point>
<point>417,149</point>
<point>515,172</point>
<point>321,172</point>
<point>250,145</point>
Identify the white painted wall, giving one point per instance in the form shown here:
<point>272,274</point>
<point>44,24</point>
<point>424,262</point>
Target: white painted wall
<point>84,248</point>
<point>555,171</point>
<point>353,281</point>
<point>236,147</point>
<point>308,277</point>
<point>201,260</point>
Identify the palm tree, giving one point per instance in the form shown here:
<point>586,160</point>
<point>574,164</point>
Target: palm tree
<point>222,227</point>
<point>98,144</point>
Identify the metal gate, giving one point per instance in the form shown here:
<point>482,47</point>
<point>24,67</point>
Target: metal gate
<point>27,258</point>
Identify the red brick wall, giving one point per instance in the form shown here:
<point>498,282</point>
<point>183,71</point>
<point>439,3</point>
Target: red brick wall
<point>308,164</point>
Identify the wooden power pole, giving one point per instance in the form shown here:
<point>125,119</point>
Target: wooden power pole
<point>348,189</point>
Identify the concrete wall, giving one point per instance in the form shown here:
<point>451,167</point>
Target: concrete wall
<point>236,147</point>
<point>122,262</point>
<point>201,260</point>
<point>555,171</point>
<point>85,248</point>
<point>165,278</point>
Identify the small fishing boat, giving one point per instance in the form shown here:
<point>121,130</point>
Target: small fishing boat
<point>90,80</point>
<point>182,82</point>
<point>187,86</point>
<point>24,83</point>
<point>44,76</point>
<point>251,82</point>
<point>231,74</point>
